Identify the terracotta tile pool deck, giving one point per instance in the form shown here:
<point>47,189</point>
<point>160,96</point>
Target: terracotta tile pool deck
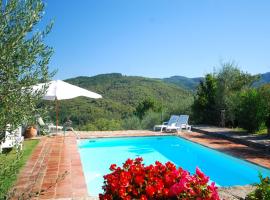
<point>55,167</point>
<point>55,164</point>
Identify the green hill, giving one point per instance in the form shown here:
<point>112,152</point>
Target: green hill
<point>184,82</point>
<point>192,83</point>
<point>264,79</point>
<point>121,95</point>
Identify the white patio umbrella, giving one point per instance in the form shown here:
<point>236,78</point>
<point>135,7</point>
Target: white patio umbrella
<point>59,90</point>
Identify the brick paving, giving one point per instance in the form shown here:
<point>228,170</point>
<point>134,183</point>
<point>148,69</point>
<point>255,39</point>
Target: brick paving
<point>58,156</point>
<point>55,167</point>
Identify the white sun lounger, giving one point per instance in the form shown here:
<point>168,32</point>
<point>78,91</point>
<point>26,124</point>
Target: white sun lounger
<point>50,128</point>
<point>182,123</point>
<point>172,121</point>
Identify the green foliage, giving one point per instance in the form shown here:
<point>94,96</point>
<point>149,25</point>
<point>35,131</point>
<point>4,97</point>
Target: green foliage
<point>88,127</point>
<point>145,106</point>
<point>231,78</point>
<point>24,60</point>
<point>193,83</point>
<point>131,123</point>
<point>121,96</point>
<point>10,164</point>
<point>221,91</point>
<point>251,110</point>
<point>265,97</point>
<point>103,124</point>
<point>204,107</point>
<point>230,82</point>
<point>184,82</point>
<point>150,119</point>
<point>262,192</point>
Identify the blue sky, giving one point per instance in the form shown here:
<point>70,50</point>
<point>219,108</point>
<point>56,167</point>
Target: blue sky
<point>157,38</point>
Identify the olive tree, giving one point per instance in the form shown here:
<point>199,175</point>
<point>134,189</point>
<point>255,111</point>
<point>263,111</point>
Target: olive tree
<point>24,59</point>
<point>251,112</point>
<point>221,91</point>
<point>230,82</point>
<point>204,106</point>
<point>264,92</point>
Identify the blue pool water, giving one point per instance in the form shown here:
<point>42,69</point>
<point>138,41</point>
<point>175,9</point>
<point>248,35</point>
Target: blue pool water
<point>98,154</point>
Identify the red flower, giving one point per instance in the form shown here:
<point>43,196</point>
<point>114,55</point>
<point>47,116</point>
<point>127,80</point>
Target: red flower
<point>150,191</point>
<point>166,192</point>
<point>158,181</point>
<point>203,179</point>
<point>139,180</point>
<point>143,197</point>
<point>127,198</point>
<point>113,167</point>
<point>135,192</point>
<point>138,160</point>
<point>128,163</point>
<point>122,192</point>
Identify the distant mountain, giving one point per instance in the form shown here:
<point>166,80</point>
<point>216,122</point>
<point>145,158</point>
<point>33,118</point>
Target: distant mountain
<point>121,95</point>
<point>184,82</point>
<point>192,83</point>
<point>264,79</point>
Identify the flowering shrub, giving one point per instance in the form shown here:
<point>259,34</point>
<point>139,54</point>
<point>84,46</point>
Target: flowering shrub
<point>136,181</point>
<point>262,191</point>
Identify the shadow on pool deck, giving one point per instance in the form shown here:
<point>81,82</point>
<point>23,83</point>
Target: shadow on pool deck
<point>257,141</point>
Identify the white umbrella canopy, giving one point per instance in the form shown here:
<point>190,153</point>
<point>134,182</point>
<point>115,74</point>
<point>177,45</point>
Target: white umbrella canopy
<point>59,90</point>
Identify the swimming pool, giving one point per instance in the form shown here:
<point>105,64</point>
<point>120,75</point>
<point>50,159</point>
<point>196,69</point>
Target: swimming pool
<point>98,154</point>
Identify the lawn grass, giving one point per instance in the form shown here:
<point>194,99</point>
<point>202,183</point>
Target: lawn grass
<point>262,131</point>
<point>11,163</point>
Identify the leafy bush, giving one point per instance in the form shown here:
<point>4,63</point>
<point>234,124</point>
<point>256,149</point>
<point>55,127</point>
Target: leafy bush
<point>262,192</point>
<point>146,106</point>
<point>103,125</point>
<point>131,123</point>
<point>88,127</point>
<point>204,107</point>
<point>181,109</point>
<point>265,96</point>
<point>158,181</point>
<point>150,120</point>
<point>251,114</point>
<point>220,91</point>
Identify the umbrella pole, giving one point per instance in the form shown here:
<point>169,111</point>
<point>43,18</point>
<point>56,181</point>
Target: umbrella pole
<point>56,110</point>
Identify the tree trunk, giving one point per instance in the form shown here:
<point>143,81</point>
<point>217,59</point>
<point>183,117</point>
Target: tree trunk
<point>268,131</point>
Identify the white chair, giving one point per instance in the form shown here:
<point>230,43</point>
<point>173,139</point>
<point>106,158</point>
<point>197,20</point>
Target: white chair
<point>6,143</point>
<point>12,139</point>
<point>172,121</point>
<point>182,123</point>
<point>48,127</point>
<point>54,128</point>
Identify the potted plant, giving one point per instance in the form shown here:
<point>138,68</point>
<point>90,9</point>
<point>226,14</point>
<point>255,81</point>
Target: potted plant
<point>31,131</point>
